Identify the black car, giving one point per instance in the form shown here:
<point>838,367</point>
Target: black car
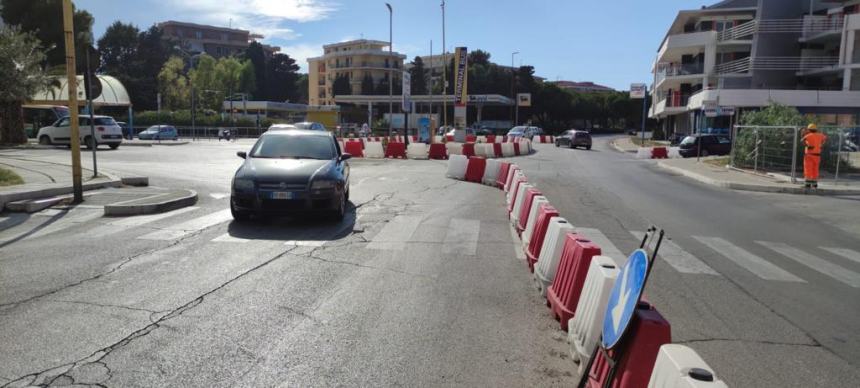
<point>290,173</point>
<point>574,138</point>
<point>710,145</point>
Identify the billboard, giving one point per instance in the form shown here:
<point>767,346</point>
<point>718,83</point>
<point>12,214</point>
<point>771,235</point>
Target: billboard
<point>406,104</point>
<point>461,71</point>
<point>638,91</point>
<point>524,99</point>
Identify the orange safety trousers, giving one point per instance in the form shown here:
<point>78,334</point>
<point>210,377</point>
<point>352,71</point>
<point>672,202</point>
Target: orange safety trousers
<point>811,164</point>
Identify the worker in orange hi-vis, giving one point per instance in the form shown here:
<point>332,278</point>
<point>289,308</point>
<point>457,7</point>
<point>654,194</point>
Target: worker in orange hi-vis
<point>813,142</point>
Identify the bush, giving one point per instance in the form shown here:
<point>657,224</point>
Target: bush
<point>182,118</point>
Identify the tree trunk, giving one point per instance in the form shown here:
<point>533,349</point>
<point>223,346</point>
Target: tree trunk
<point>12,123</point>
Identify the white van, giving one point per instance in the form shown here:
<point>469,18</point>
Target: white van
<point>107,131</point>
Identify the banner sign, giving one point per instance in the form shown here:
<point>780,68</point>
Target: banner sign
<point>638,91</point>
<point>461,70</point>
<point>406,104</point>
<point>524,99</point>
<point>710,108</point>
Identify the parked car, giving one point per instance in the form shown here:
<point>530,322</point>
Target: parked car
<point>469,131</point>
<point>289,173</point>
<point>38,116</point>
<point>525,131</point>
<point>677,138</point>
<point>574,138</point>
<point>710,145</point>
<point>159,132</point>
<point>106,132</point>
<point>279,127</point>
<point>310,126</point>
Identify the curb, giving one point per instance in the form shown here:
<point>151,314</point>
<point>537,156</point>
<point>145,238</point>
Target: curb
<point>54,191</point>
<point>619,149</point>
<point>146,143</point>
<point>128,208</point>
<point>756,188</point>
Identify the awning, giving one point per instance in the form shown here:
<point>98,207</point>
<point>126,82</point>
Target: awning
<point>113,93</point>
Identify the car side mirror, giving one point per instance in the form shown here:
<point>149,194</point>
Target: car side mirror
<point>242,154</point>
<point>345,157</point>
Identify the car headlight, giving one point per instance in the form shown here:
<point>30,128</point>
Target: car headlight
<point>322,185</point>
<point>243,184</point>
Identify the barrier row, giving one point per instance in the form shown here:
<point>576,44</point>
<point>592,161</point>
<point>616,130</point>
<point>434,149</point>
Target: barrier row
<point>448,138</point>
<point>658,153</point>
<point>570,271</point>
<point>372,149</point>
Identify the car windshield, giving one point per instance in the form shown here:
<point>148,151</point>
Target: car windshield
<point>689,140</point>
<point>98,121</point>
<point>152,129</point>
<point>294,147</point>
<point>304,126</point>
<point>516,130</point>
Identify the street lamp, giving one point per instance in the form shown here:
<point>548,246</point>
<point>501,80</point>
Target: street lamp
<point>444,72</point>
<point>390,73</point>
<point>513,90</point>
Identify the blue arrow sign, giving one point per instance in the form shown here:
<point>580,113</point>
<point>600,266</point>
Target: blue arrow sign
<point>625,295</point>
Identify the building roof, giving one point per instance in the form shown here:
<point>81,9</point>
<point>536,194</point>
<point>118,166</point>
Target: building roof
<point>734,4</point>
<point>205,26</point>
<point>357,41</point>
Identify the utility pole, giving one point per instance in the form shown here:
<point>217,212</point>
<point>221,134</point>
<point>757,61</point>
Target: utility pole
<point>513,91</point>
<point>72,79</point>
<point>390,72</point>
<point>444,72</point>
<point>93,140</point>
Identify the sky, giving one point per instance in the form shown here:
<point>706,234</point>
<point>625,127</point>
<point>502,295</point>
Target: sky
<point>609,42</point>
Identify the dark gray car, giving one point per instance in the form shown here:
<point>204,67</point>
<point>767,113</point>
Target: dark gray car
<point>290,173</point>
<point>574,138</point>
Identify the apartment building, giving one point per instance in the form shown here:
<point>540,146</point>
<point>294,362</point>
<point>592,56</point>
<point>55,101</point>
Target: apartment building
<point>212,40</point>
<point>717,61</point>
<point>355,60</point>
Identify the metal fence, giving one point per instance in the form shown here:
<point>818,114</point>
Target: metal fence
<point>780,150</point>
<point>211,132</point>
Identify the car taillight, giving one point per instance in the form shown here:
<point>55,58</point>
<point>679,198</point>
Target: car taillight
<point>101,129</point>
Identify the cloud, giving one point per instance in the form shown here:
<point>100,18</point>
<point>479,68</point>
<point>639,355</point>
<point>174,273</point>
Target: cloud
<point>301,53</point>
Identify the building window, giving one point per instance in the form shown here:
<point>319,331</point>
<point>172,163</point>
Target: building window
<point>224,36</point>
<point>198,34</point>
<point>218,50</point>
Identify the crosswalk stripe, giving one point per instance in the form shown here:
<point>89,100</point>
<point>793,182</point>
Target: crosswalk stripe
<point>680,259</point>
<point>143,220</point>
<point>189,227</point>
<point>846,253</point>
<point>70,219</point>
<point>607,248</point>
<point>394,235</point>
<point>749,261</point>
<point>837,272</point>
<point>462,236</point>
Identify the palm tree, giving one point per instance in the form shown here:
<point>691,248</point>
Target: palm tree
<point>21,76</point>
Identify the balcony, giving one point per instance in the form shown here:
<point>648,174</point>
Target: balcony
<point>817,27</point>
<point>668,70</point>
<point>691,43</point>
<point>801,65</point>
<point>738,66</point>
<point>740,33</point>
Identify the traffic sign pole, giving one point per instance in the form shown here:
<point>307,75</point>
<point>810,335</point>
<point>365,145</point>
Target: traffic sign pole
<point>72,82</point>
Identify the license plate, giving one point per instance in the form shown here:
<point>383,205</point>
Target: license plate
<point>283,195</point>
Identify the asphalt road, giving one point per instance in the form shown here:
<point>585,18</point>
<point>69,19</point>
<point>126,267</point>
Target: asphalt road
<point>420,285</point>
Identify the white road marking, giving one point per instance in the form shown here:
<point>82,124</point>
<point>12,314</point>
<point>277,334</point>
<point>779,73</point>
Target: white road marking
<point>846,253</point>
<point>70,219</point>
<point>462,237</point>
<point>394,235</point>
<point>189,227</point>
<point>749,261</point>
<point>127,223</point>
<point>518,245</point>
<point>837,272</point>
<point>607,248</point>
<point>678,258</point>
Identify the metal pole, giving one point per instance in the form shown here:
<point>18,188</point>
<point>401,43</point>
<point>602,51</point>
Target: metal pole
<point>794,157</point>
<point>390,73</point>
<point>72,83</point>
<point>432,131</point>
<point>94,140</point>
<point>513,89</point>
<point>755,161</point>
<point>644,112</point>
<point>193,115</point>
<point>444,72</point>
<point>838,157</point>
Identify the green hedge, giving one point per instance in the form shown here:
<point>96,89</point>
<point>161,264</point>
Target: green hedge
<point>183,119</point>
<point>777,144</point>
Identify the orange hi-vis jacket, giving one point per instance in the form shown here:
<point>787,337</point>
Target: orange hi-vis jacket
<point>814,141</point>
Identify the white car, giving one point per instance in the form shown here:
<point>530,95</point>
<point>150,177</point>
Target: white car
<point>310,126</point>
<point>281,127</point>
<point>107,131</point>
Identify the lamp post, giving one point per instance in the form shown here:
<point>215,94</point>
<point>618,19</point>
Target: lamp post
<point>513,89</point>
<point>444,71</point>
<point>390,73</point>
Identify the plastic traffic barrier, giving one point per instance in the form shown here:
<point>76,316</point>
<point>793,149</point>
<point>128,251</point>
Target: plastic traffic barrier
<point>679,366</point>
<point>563,295</point>
<point>519,178</point>
<point>417,151</point>
<point>469,149</point>
<point>497,150</point>
<point>449,138</point>
<point>525,208</point>
<point>481,139</point>
<point>396,150</point>
<point>491,138</point>
<point>437,139</point>
<point>438,151</point>
<point>454,148</point>
<point>354,148</point>
<point>648,331</point>
<point>535,246</point>
<point>550,254</point>
<point>475,169</point>
<point>517,151</point>
<point>643,153</point>
<point>491,173</point>
<point>502,176</point>
<point>490,150</point>
<point>481,150</point>
<point>508,150</point>
<point>471,138</point>
<point>659,153</point>
<point>532,219</point>
<point>373,149</point>
<point>517,202</point>
<point>457,167</point>
<point>674,152</point>
<point>585,327</point>
<point>512,172</point>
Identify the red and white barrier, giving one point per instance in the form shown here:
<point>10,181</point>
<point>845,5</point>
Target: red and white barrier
<point>457,167</point>
<point>438,151</point>
<point>526,206</point>
<point>514,185</point>
<point>678,366</point>
<point>648,331</point>
<point>508,150</point>
<point>519,198</point>
<point>475,169</point>
<point>491,173</point>
<point>587,323</point>
<point>417,151</point>
<point>454,148</point>
<point>373,149</point>
<point>532,219</point>
<point>643,153</point>
<point>469,149</point>
<point>481,139</point>
<point>395,150</point>
<point>502,177</point>
<point>550,254</point>
<point>354,148</point>
<point>563,295</point>
<point>545,215</point>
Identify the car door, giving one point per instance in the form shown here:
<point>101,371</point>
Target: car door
<point>342,166</point>
<point>568,138</point>
<point>723,145</point>
<point>60,132</point>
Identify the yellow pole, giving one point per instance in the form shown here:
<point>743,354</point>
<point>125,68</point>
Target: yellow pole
<point>72,87</point>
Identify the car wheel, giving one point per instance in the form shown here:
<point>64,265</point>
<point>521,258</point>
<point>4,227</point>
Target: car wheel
<point>340,212</point>
<point>238,215</point>
<point>705,153</point>
<point>114,146</point>
<point>571,145</point>
<point>45,140</point>
<point>588,148</point>
<point>90,142</point>
<point>556,144</point>
<point>347,192</point>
